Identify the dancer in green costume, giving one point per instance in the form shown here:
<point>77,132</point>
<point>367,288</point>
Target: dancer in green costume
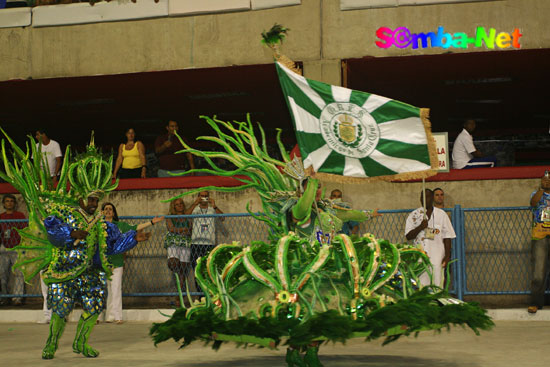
<point>66,237</point>
<point>303,288</point>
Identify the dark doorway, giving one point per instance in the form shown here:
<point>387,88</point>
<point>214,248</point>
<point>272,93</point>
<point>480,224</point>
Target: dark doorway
<point>505,91</point>
<point>71,107</point>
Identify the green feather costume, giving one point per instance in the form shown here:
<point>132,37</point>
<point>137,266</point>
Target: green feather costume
<point>296,289</point>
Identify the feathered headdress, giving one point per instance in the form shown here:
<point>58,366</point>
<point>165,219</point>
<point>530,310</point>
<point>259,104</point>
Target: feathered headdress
<point>90,174</point>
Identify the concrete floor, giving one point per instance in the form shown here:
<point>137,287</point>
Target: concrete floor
<point>510,343</point>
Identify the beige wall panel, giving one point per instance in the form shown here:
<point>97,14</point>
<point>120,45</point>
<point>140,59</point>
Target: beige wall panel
<point>352,34</point>
<point>382,195</point>
<point>207,6</point>
<point>327,71</point>
<point>469,194</point>
<point>234,38</point>
<point>148,202</point>
<point>112,48</point>
<point>15,17</point>
<point>171,43</point>
<point>14,53</point>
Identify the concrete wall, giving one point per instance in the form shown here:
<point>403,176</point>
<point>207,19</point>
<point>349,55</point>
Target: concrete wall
<point>321,35</point>
<point>382,195</point>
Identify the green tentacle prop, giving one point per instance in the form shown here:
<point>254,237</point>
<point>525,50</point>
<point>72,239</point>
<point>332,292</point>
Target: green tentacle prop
<point>259,171</point>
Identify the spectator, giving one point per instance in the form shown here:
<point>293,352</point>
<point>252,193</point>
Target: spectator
<point>166,147</point>
<point>10,239</point>
<point>433,231</point>
<point>52,158</point>
<point>47,312</point>
<point>131,156</point>
<point>203,236</point>
<point>113,313</point>
<point>177,241</point>
<point>439,198</point>
<point>540,244</point>
<point>51,152</point>
<point>350,227</point>
<point>465,154</point>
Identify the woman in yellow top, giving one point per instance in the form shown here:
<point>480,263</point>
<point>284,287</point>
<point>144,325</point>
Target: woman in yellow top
<point>131,156</point>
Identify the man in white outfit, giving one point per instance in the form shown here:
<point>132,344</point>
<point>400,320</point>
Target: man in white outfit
<point>433,231</point>
<point>203,235</point>
<point>51,151</point>
<point>465,154</point>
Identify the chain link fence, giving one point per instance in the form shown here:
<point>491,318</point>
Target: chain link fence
<point>492,249</point>
<point>497,244</point>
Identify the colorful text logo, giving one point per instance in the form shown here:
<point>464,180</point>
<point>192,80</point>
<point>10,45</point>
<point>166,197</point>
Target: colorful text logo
<point>401,38</point>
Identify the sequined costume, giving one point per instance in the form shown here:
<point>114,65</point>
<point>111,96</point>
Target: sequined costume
<point>64,238</point>
<point>71,276</point>
<point>307,284</point>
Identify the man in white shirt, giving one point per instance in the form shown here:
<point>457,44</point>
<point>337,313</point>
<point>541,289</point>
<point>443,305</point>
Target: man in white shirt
<point>52,156</point>
<point>203,235</point>
<point>465,154</point>
<point>51,151</point>
<point>439,198</point>
<point>433,232</point>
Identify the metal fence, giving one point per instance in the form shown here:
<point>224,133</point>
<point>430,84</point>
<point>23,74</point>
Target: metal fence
<point>496,250</point>
<point>491,248</point>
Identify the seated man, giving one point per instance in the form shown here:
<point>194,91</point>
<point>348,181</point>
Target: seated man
<point>465,154</point>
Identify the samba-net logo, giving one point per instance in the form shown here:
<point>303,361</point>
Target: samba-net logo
<point>402,38</point>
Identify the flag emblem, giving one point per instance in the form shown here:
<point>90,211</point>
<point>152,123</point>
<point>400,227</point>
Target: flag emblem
<point>345,134</point>
<point>349,129</point>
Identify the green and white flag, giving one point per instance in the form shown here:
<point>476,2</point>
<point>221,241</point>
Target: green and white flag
<point>356,134</point>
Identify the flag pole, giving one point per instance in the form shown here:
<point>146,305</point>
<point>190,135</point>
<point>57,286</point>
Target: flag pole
<point>424,197</point>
